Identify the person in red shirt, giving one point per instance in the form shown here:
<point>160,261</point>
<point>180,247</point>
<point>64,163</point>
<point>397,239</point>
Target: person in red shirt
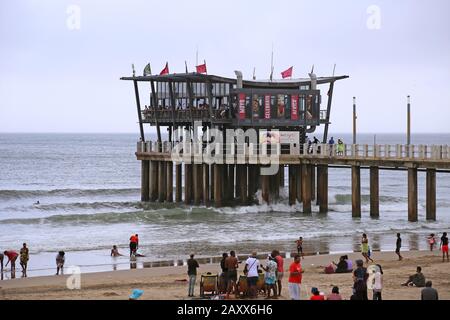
<point>295,278</point>
<point>316,295</point>
<point>12,257</point>
<point>134,243</point>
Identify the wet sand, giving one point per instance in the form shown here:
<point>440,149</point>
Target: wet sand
<point>170,282</point>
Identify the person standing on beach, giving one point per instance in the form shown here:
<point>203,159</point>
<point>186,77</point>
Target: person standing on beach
<point>295,278</point>
<point>1,265</point>
<point>398,245</point>
<point>365,248</point>
<point>60,259</point>
<point>134,243</point>
<point>271,276</point>
<point>444,246</point>
<point>251,270</point>
<point>431,241</point>
<point>24,257</point>
<point>231,265</point>
<point>377,283</point>
<point>192,273</point>
<point>12,257</point>
<point>360,277</point>
<point>299,244</point>
<point>280,269</point>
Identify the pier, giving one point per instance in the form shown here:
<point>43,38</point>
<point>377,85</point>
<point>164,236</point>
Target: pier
<point>228,139</point>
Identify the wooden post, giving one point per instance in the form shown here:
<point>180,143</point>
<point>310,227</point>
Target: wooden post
<point>218,170</point>
<point>187,183</point>
<point>292,185</point>
<point>231,186</point>
<point>298,181</point>
<point>154,172</point>
<point>313,182</point>
<point>356,191</point>
<point>178,184</point>
<point>243,183</point>
<point>145,183</point>
<point>162,181</point>
<point>282,176</point>
<point>169,183</point>
<point>306,187</point>
<point>211,168</point>
<point>374,192</point>
<point>206,197</point>
<point>265,190</point>
<point>196,182</point>
<point>412,194</point>
<point>431,195</point>
<point>322,188</point>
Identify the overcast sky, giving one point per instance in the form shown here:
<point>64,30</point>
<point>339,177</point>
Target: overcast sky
<point>56,77</point>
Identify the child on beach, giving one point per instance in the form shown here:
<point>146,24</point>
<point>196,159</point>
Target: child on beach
<point>365,248</point>
<point>431,241</point>
<point>24,257</point>
<point>299,244</point>
<point>444,246</point>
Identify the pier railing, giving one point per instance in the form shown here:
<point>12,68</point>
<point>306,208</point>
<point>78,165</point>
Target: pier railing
<point>354,151</point>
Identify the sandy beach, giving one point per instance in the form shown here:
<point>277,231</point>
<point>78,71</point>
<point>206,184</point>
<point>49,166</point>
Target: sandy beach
<point>168,282</point>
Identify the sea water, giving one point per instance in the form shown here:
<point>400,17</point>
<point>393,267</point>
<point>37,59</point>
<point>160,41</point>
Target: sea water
<point>88,185</point>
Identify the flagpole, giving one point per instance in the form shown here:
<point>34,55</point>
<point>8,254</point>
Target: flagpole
<point>271,65</point>
<point>206,69</point>
<point>196,56</point>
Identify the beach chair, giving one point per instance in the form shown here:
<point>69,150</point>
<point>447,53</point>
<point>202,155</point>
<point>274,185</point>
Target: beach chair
<point>222,286</point>
<point>209,283</point>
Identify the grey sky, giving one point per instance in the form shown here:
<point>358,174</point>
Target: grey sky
<point>53,79</point>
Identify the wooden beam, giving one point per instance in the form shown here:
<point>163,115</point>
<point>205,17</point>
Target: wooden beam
<point>431,195</point>
<point>374,192</point>
<point>412,194</point>
<point>145,183</point>
<point>356,192</point>
<point>138,107</point>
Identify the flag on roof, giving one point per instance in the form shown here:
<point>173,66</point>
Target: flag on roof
<point>147,70</point>
<point>201,68</point>
<point>165,70</point>
<point>287,73</point>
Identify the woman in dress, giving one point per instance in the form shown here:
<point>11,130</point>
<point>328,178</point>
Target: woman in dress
<point>365,248</point>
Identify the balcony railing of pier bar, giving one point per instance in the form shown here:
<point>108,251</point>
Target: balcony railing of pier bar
<point>356,151</point>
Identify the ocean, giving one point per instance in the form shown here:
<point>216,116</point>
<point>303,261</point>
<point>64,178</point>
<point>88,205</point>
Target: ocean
<point>88,185</point>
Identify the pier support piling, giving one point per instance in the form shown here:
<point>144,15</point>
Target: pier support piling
<point>265,181</point>
<point>431,195</point>
<point>356,191</point>
<point>178,184</point>
<point>412,194</point>
<point>292,185</point>
<point>374,192</point>
<point>145,183</point>
<point>205,176</point>
<point>322,188</point>
<point>187,183</point>
<point>169,184</point>
<point>298,181</point>
<point>197,181</point>
<point>306,187</point>
<point>218,173</point>
<point>154,172</point>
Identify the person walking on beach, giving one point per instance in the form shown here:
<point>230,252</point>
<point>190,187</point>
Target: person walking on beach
<point>231,265</point>
<point>431,241</point>
<point>295,278</point>
<point>299,244</point>
<point>12,257</point>
<point>134,243</point>
<point>60,259</point>
<point>192,273</point>
<point>270,278</point>
<point>365,248</point>
<point>444,246</point>
<point>251,270</point>
<point>24,257</point>
<point>398,245</point>
<point>280,269</point>
<point>377,283</point>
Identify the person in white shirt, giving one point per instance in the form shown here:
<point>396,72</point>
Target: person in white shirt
<point>377,283</point>
<point>251,270</point>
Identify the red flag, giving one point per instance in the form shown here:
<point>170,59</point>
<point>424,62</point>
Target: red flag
<point>165,70</point>
<point>201,68</point>
<point>287,73</point>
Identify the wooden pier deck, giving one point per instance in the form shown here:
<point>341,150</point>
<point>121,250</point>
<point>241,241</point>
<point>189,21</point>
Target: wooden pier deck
<point>213,176</point>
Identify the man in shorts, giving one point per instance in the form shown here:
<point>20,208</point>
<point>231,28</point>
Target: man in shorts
<point>444,246</point>
<point>398,245</point>
<point>280,270</point>
<point>251,269</point>
<point>231,265</point>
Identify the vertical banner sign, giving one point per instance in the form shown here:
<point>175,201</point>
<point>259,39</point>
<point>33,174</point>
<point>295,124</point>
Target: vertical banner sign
<point>294,107</point>
<point>267,106</point>
<point>241,106</point>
